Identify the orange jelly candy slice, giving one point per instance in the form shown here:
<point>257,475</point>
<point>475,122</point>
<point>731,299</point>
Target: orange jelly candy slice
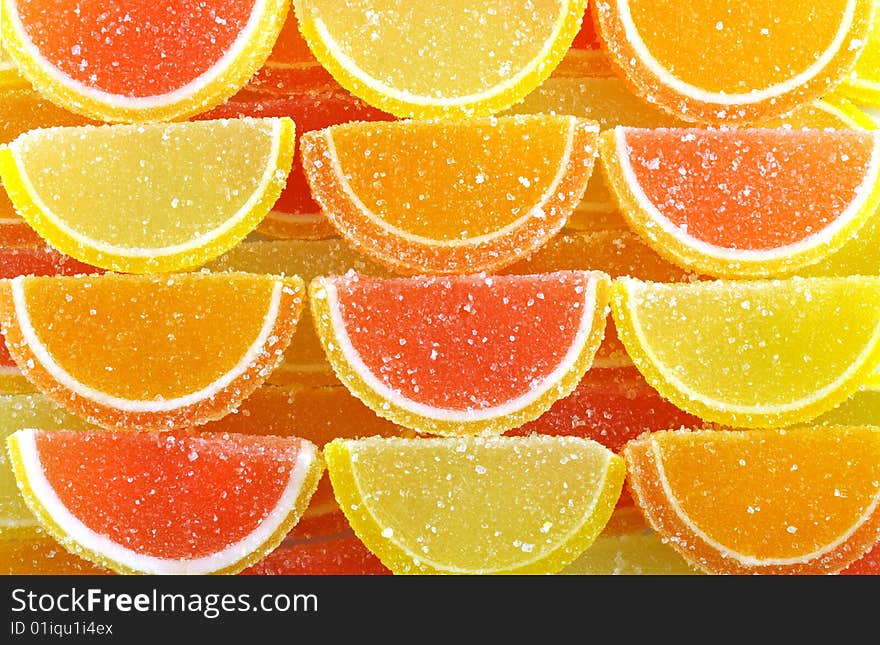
<point>24,109</point>
<point>149,352</point>
<point>796,501</point>
<point>37,260</point>
<point>438,197</point>
<point>733,61</point>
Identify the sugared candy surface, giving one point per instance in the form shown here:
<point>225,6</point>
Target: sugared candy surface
<point>472,505</point>
<point>165,502</point>
<point>144,352</point>
<point>550,247</point>
<point>399,344</point>
<point>761,501</point>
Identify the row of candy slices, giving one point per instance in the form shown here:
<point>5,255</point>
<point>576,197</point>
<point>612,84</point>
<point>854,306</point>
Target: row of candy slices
<point>803,500</point>
<point>165,197</point>
<point>315,101</point>
<point>156,352</point>
<point>291,65</point>
<point>217,49</point>
<point>610,406</point>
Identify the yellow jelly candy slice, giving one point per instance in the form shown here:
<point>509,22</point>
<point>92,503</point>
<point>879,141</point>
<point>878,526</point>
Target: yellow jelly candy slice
<point>861,409</point>
<point>752,353</point>
<point>452,58</point>
<point>475,505</point>
<point>162,197</point>
<point>9,76</point>
<point>24,109</point>
<point>863,85</point>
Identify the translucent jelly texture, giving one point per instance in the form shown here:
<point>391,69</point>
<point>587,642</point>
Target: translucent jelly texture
<point>400,344</point>
<point>149,352</point>
<point>772,501</point>
<point>722,62</point>
<point>162,196</point>
<point>752,353</point>
<point>474,504</point>
<point>450,197</point>
<point>448,58</point>
<point>172,502</point>
<point>769,188</point>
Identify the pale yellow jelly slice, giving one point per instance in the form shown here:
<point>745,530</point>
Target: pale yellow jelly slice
<point>160,197</point>
<point>605,99</point>
<point>448,58</point>
<point>475,505</point>
<point>861,409</point>
<point>752,354</point>
<point>9,76</point>
<point>863,85</point>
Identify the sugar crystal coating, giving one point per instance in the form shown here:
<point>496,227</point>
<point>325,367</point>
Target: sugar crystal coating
<point>475,504</point>
<point>761,501</point>
<point>143,352</point>
<point>452,58</point>
<point>141,61</point>
<point>730,62</point>
<point>162,197</point>
<point>439,197</point>
<point>744,203</point>
<point>165,502</point>
<point>304,362</point>
<point>768,353</point>
<point>400,344</point>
